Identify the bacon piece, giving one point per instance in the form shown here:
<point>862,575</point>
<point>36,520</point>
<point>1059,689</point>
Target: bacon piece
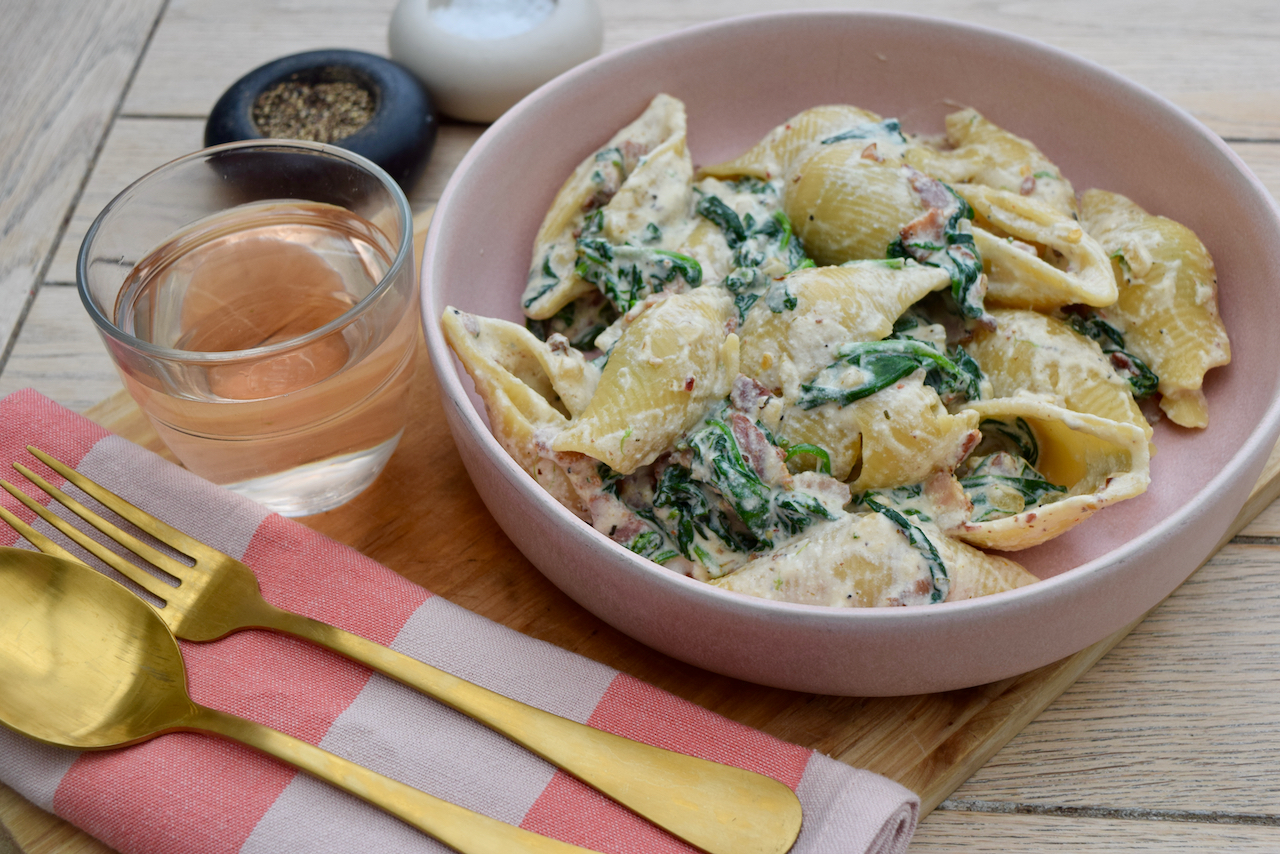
<point>767,460</point>
<point>928,228</point>
<point>748,395</point>
<point>932,192</point>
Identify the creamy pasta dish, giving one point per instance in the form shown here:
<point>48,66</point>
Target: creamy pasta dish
<point>851,367</point>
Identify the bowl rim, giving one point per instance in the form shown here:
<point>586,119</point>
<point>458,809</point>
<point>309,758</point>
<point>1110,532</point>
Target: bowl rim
<point>1245,457</point>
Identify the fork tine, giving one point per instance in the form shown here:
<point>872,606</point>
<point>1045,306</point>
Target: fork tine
<point>165,533</point>
<point>139,576</point>
<point>30,534</point>
<point>157,558</point>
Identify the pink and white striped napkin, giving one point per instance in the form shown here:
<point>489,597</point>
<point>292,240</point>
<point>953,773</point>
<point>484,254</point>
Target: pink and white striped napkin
<point>187,793</point>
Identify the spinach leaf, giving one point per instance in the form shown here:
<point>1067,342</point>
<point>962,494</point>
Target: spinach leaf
<point>547,280</point>
<point>794,511</point>
<point>907,500</point>
<point>882,363</point>
<point>751,184</point>
<point>1003,485</point>
<point>824,458</point>
<point>941,581</point>
<point>612,157</point>
<point>626,274</point>
<point>743,302</point>
<point>908,321</point>
<point>779,297</point>
<point>653,544</point>
<point>952,387</point>
<point>887,129</point>
<point>609,478</point>
<point>693,513</point>
<point>714,209</point>
<point>1142,380</point>
<point>997,435</point>
<point>957,254</point>
<point>580,321</point>
<point>962,385</point>
<point>724,495</point>
<point>731,475</point>
<point>756,245</point>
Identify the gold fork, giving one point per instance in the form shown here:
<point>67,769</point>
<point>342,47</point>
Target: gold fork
<point>718,808</point>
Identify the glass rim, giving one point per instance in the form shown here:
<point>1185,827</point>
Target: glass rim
<point>171,354</point>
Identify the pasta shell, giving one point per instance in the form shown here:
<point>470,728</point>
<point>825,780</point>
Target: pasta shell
<point>846,207</point>
<point>833,306</point>
<point>908,435</point>
<point>659,191</point>
<point>1043,355</point>
<point>1035,256</point>
<point>975,573</point>
<point>863,561</point>
<point>526,388</point>
<point>1168,302</point>
<point>981,152</point>
<point>898,436</point>
<point>789,144</point>
<point>1099,461</point>
<point>707,245</point>
<point>671,364</point>
<point>553,282</point>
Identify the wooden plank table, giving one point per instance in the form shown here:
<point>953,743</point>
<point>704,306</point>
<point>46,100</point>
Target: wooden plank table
<point>1166,742</point>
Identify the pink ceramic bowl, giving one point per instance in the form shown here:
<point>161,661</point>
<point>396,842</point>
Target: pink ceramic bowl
<point>741,77</point>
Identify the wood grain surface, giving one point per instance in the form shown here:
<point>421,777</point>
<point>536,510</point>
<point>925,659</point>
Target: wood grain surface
<point>64,70</point>
<point>1169,742</point>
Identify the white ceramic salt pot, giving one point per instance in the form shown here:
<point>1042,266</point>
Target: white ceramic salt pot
<point>479,57</point>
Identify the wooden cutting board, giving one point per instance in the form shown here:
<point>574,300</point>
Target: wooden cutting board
<point>423,519</point>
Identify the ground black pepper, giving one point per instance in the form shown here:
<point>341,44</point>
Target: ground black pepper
<point>319,112</point>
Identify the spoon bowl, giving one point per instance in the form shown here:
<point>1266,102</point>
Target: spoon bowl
<point>89,659</point>
<point>86,664</point>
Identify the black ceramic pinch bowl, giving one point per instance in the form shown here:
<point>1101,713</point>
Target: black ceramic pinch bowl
<point>399,136</point>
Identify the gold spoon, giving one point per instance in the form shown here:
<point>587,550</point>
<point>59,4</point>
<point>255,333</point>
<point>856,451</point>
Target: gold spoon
<point>86,664</point>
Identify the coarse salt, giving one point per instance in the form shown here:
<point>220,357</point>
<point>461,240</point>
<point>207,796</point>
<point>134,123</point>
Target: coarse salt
<point>491,19</point>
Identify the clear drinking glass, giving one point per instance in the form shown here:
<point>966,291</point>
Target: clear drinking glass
<point>259,301</point>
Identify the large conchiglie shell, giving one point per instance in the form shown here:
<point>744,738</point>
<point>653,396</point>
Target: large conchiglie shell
<point>896,437</point>
<point>1168,303</point>
<point>506,368</point>
<point>864,561</point>
<point>658,191</point>
<point>1043,355</point>
<point>707,245</point>
<point>833,306</point>
<point>836,430</point>
<point>859,561</point>
<point>669,367</point>
<point>1018,278</point>
<point>983,153</point>
<point>1053,262</point>
<point>908,435</point>
<point>846,207</point>
<point>975,573</point>
<point>562,375</point>
<point>1099,462</point>
<point>553,283</point>
<point>787,145</point>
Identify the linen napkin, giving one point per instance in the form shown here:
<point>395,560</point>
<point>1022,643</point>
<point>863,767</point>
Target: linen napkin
<point>188,793</point>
